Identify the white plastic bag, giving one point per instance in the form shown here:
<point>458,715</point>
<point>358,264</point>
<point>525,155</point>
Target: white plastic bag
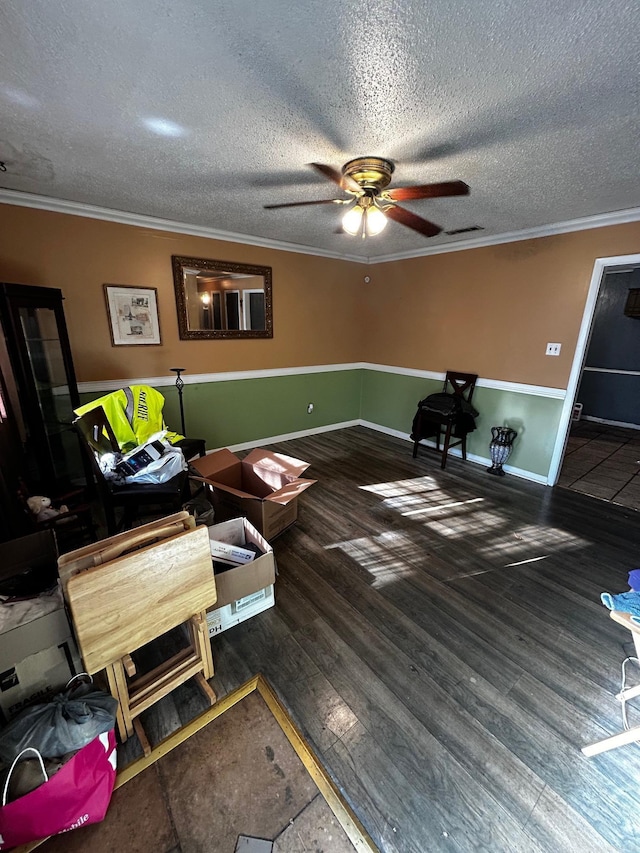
<point>170,464</point>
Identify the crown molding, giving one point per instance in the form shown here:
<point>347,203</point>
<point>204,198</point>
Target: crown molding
<point>599,220</point>
<point>74,208</point>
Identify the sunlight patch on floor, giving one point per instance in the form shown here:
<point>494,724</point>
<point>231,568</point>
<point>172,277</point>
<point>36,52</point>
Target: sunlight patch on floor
<point>455,514</point>
<point>538,538</point>
<point>524,562</point>
<point>439,507</point>
<point>421,496</point>
<point>402,487</point>
<point>386,557</point>
<point>471,523</point>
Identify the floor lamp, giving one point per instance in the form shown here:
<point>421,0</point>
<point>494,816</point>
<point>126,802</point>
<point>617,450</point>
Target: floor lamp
<point>180,386</point>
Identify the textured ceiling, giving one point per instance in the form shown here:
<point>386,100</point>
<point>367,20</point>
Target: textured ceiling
<point>201,112</point>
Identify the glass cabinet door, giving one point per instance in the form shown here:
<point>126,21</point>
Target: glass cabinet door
<point>47,368</point>
<point>38,346</point>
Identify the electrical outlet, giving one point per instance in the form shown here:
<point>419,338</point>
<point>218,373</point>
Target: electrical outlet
<point>553,349</point>
<point>309,408</point>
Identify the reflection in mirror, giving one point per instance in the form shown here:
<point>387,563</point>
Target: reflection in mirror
<point>219,299</point>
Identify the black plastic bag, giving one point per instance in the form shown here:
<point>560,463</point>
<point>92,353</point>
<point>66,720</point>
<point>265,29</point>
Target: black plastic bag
<point>66,723</point>
<point>200,508</point>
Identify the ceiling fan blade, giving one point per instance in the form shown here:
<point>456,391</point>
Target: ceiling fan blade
<point>343,181</point>
<point>406,217</point>
<point>428,191</point>
<point>303,203</point>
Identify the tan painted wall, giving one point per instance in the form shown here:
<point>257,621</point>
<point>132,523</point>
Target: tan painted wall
<point>316,312</point>
<point>489,311</point>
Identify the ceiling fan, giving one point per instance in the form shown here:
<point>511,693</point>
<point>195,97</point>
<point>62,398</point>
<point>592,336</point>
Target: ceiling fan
<point>365,179</point>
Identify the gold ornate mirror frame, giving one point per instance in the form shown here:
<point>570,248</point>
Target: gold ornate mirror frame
<point>222,299</point>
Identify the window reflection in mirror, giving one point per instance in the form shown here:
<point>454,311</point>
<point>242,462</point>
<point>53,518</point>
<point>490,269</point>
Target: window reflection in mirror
<point>222,299</point>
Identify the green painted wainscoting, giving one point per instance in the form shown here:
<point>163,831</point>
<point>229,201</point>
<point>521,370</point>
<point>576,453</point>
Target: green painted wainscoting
<point>240,413</point>
<point>390,400</point>
<point>245,412</point>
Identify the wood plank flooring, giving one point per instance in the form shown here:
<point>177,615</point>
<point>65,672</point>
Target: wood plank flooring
<point>439,638</point>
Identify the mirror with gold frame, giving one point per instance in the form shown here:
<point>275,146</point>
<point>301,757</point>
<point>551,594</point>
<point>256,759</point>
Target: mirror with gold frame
<point>222,299</point>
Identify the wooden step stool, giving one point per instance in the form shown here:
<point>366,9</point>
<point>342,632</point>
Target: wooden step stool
<point>130,589</point>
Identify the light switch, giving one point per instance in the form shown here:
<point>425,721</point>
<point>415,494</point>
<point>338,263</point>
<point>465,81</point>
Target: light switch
<point>553,349</point>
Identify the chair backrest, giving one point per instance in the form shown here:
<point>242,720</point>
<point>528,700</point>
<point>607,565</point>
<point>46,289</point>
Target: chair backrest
<point>460,384</point>
<point>97,437</point>
<point>97,432</point>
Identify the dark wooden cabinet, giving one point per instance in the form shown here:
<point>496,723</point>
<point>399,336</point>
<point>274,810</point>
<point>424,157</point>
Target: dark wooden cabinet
<point>38,374</point>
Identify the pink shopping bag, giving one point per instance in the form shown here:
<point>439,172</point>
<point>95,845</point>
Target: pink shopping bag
<point>77,795</point>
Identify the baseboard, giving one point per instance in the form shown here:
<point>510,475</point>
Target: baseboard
<point>591,419</point>
<point>275,439</point>
<point>471,457</point>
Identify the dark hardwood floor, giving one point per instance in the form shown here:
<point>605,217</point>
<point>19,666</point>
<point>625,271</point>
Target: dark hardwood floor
<point>439,638</point>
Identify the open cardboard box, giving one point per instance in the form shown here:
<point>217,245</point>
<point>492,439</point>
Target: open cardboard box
<point>38,675</point>
<point>241,581</point>
<point>264,487</point>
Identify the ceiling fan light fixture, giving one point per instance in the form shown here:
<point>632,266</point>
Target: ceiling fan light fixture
<point>365,179</point>
<point>364,218</point>
<point>352,220</point>
<point>376,221</point>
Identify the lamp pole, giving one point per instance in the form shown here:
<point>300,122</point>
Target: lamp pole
<point>180,386</point>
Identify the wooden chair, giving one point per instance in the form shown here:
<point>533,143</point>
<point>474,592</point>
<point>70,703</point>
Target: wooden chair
<point>97,437</point>
<point>443,425</point>
<point>191,447</point>
<point>130,589</point>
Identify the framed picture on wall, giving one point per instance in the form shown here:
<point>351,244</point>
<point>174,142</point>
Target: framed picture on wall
<point>133,315</point>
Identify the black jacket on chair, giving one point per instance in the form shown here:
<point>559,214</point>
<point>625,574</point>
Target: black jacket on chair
<point>440,407</point>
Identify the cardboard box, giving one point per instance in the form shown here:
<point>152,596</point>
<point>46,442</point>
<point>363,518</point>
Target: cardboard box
<point>264,487</point>
<point>32,637</point>
<point>222,618</point>
<point>236,583</point>
<point>38,676</point>
<point>36,657</point>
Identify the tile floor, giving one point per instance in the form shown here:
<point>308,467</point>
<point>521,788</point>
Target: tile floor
<point>603,461</point>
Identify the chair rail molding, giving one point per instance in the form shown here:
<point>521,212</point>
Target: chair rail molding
<point>105,385</point>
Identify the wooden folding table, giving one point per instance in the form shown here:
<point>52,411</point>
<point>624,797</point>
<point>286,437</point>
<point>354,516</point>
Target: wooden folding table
<point>121,599</point>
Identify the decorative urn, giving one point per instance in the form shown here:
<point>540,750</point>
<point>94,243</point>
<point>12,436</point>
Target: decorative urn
<point>500,448</point>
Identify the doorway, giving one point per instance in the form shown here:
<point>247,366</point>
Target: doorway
<point>598,447</point>
<point>603,461</point>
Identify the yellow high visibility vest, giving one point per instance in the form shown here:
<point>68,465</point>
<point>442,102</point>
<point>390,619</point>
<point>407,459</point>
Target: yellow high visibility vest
<point>135,414</point>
